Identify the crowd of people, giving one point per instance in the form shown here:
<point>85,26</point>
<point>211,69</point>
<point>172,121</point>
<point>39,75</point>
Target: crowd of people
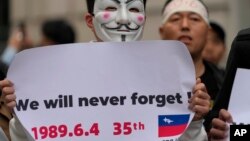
<point>122,21</point>
<point>53,31</point>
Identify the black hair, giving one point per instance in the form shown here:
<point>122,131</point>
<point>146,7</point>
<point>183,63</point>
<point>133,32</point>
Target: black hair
<point>218,30</point>
<point>59,31</point>
<point>91,3</point>
<point>90,6</point>
<point>168,1</point>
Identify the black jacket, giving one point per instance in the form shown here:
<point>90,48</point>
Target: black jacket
<point>239,57</point>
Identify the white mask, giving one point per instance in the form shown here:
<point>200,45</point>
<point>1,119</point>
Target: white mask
<point>119,20</point>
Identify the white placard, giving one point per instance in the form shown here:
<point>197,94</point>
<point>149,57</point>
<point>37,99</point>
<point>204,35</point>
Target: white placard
<point>104,91</point>
<point>239,101</point>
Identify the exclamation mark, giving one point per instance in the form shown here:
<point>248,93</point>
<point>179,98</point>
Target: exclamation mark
<point>189,94</point>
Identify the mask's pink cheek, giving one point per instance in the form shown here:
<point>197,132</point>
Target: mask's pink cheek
<point>140,19</point>
<point>106,16</point>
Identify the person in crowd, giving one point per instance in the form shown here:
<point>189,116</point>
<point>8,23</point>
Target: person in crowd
<point>17,41</point>
<point>215,47</point>
<point>187,21</point>
<point>54,31</point>
<point>121,20</point>
<point>57,31</point>
<point>238,58</point>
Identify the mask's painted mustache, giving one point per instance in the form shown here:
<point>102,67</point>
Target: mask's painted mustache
<point>120,26</point>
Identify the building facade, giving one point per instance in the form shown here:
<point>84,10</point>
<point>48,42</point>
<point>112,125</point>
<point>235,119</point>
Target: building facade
<point>231,14</point>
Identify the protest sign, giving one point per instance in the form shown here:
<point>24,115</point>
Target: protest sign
<point>104,91</point>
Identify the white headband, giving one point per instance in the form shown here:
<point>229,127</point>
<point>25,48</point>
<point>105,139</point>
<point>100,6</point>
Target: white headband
<point>185,5</point>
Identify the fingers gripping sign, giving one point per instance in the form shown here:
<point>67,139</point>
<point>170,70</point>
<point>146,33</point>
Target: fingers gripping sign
<point>200,101</point>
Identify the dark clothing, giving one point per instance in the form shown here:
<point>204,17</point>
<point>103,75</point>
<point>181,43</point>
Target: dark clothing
<point>239,57</point>
<point>3,70</point>
<point>5,114</point>
<point>212,78</point>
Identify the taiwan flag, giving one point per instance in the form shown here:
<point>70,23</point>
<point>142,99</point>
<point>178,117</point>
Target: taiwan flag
<point>172,125</point>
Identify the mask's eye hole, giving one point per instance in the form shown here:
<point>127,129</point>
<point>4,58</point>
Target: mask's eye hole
<point>135,10</point>
<point>110,8</point>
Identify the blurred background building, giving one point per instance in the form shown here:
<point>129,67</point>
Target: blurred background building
<point>231,14</point>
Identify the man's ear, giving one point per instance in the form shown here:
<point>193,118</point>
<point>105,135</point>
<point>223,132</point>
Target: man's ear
<point>209,30</point>
<point>89,20</point>
<point>161,30</point>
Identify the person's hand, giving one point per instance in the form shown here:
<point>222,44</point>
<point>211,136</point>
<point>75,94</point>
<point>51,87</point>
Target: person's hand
<point>200,101</point>
<point>9,97</point>
<point>19,41</point>
<point>220,128</point>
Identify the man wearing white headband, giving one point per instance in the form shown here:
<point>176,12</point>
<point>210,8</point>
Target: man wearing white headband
<point>118,20</point>
<point>187,21</point>
<point>174,6</point>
